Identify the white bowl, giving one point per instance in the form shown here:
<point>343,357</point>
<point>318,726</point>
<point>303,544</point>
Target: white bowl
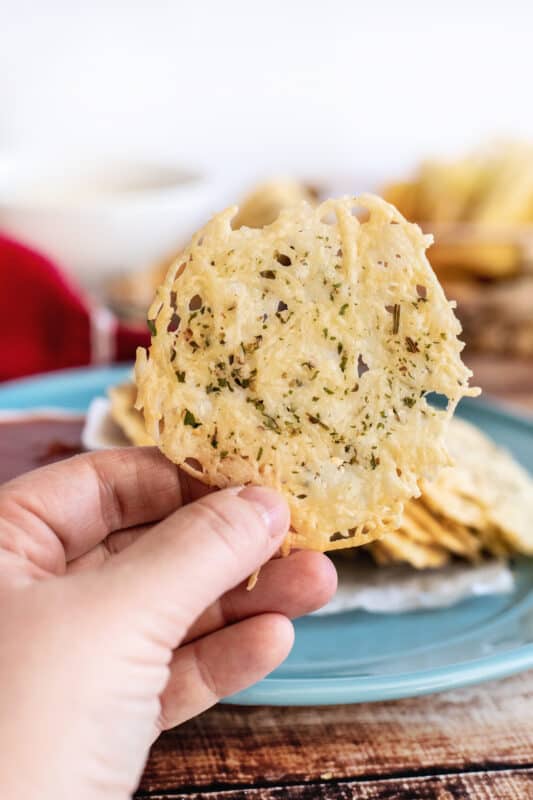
<point>97,219</point>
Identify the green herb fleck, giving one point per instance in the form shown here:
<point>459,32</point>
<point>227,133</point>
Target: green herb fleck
<point>190,419</point>
<point>315,420</point>
<point>270,423</point>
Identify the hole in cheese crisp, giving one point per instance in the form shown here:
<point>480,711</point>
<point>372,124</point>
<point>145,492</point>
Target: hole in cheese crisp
<point>194,464</point>
<point>195,303</point>
<point>283,259</point>
<point>361,212</point>
<point>338,536</point>
<point>174,323</point>
<point>362,366</point>
<point>437,399</point>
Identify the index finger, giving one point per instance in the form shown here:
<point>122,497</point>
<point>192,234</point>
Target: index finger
<point>180,567</point>
<point>83,499</point>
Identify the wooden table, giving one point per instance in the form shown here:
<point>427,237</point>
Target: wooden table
<point>469,743</point>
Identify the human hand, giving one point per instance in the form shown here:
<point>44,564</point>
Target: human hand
<point>113,628</point>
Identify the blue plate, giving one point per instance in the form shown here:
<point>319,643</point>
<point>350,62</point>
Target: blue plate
<point>355,656</point>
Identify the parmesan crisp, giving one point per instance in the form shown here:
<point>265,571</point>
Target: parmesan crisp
<point>299,356</point>
<point>487,478</point>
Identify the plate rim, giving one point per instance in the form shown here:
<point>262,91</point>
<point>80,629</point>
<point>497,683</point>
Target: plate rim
<point>353,689</point>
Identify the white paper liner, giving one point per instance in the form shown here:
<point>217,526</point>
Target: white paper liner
<point>100,431</point>
<point>396,589</point>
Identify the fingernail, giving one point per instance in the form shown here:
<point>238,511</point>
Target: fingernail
<point>272,507</point>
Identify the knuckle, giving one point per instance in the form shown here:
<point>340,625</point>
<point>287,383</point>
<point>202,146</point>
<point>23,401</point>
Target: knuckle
<point>111,510</point>
<point>227,610</point>
<point>205,673</point>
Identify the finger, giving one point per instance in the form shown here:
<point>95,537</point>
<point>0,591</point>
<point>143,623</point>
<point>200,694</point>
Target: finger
<point>106,549</point>
<point>203,672</point>
<point>174,572</point>
<point>59,512</point>
<point>191,489</point>
<point>290,586</point>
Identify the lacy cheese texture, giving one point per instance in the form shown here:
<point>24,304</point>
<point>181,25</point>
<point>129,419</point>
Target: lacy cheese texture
<point>299,356</point>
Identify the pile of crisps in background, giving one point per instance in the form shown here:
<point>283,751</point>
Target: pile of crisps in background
<point>480,210</point>
<point>480,507</point>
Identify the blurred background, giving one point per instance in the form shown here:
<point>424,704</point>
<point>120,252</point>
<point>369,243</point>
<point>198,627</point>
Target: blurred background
<point>253,87</point>
<point>123,126</point>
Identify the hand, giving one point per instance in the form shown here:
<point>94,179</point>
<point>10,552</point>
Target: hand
<point>115,626</point>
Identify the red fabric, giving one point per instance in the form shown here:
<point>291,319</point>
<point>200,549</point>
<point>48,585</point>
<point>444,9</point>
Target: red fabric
<point>45,320</point>
<point>128,339</point>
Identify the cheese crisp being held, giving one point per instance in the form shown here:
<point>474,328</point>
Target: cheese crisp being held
<point>298,356</point>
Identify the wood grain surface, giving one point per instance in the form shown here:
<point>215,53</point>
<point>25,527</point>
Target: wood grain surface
<point>482,728</point>
<point>517,785</point>
<point>474,743</point>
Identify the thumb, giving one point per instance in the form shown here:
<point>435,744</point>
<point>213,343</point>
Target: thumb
<point>181,566</point>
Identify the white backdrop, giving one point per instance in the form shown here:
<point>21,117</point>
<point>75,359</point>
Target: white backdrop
<point>257,87</point>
